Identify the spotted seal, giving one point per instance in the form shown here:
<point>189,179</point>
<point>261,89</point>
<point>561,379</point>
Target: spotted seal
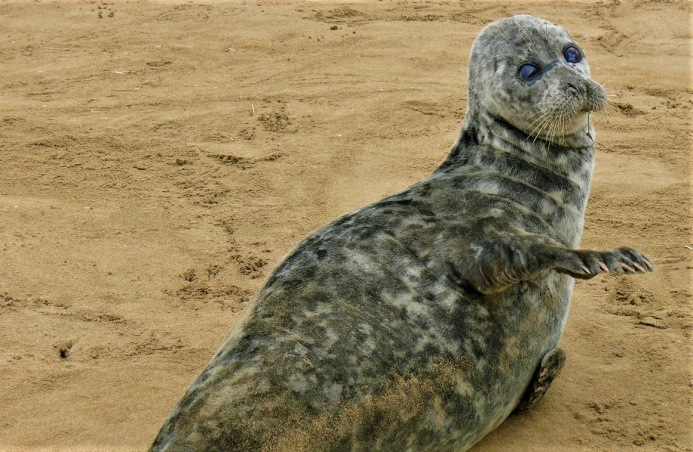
<point>420,322</point>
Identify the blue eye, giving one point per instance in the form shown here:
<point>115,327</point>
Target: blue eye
<point>572,55</point>
<point>527,71</point>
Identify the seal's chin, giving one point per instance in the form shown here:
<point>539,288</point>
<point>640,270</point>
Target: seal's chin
<point>579,124</point>
<point>559,128</point>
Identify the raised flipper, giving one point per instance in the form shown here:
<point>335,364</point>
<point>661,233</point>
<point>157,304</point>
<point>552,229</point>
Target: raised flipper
<point>494,264</point>
<point>551,365</point>
<point>586,264</point>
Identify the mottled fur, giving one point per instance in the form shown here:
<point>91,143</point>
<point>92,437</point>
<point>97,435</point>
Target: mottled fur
<point>420,322</point>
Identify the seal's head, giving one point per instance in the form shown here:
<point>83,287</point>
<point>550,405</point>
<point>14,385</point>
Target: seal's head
<point>533,75</point>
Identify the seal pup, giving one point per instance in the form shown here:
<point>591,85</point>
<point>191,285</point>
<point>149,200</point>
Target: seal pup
<point>420,322</point>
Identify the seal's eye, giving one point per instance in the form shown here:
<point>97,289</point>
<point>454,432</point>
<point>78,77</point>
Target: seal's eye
<point>572,55</point>
<point>528,71</point>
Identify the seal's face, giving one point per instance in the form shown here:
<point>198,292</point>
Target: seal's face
<point>533,75</point>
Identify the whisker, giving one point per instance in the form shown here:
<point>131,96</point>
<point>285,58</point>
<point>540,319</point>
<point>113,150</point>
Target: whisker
<point>537,128</point>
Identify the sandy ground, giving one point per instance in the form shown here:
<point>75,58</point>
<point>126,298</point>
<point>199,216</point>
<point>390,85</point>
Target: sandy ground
<point>159,159</point>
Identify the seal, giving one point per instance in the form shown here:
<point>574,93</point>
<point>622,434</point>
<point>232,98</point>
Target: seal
<point>420,322</point>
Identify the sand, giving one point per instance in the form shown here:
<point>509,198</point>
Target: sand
<point>159,159</point>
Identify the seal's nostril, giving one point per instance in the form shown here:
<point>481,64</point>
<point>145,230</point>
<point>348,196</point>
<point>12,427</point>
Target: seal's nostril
<point>577,86</point>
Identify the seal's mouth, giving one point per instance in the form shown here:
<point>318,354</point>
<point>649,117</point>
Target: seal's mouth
<point>595,97</point>
<point>588,94</point>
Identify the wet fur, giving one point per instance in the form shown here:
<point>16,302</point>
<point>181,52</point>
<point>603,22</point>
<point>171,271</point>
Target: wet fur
<point>418,322</point>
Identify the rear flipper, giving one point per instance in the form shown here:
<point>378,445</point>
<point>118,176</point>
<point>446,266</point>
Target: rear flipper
<point>551,365</point>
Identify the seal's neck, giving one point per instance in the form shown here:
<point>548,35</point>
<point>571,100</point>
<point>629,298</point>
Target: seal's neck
<point>561,171</point>
<point>571,157</point>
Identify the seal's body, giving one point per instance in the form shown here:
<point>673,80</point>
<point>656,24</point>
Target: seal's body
<point>422,321</point>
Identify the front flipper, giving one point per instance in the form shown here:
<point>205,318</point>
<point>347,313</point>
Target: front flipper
<point>551,365</point>
<point>495,263</point>
<point>586,264</point>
